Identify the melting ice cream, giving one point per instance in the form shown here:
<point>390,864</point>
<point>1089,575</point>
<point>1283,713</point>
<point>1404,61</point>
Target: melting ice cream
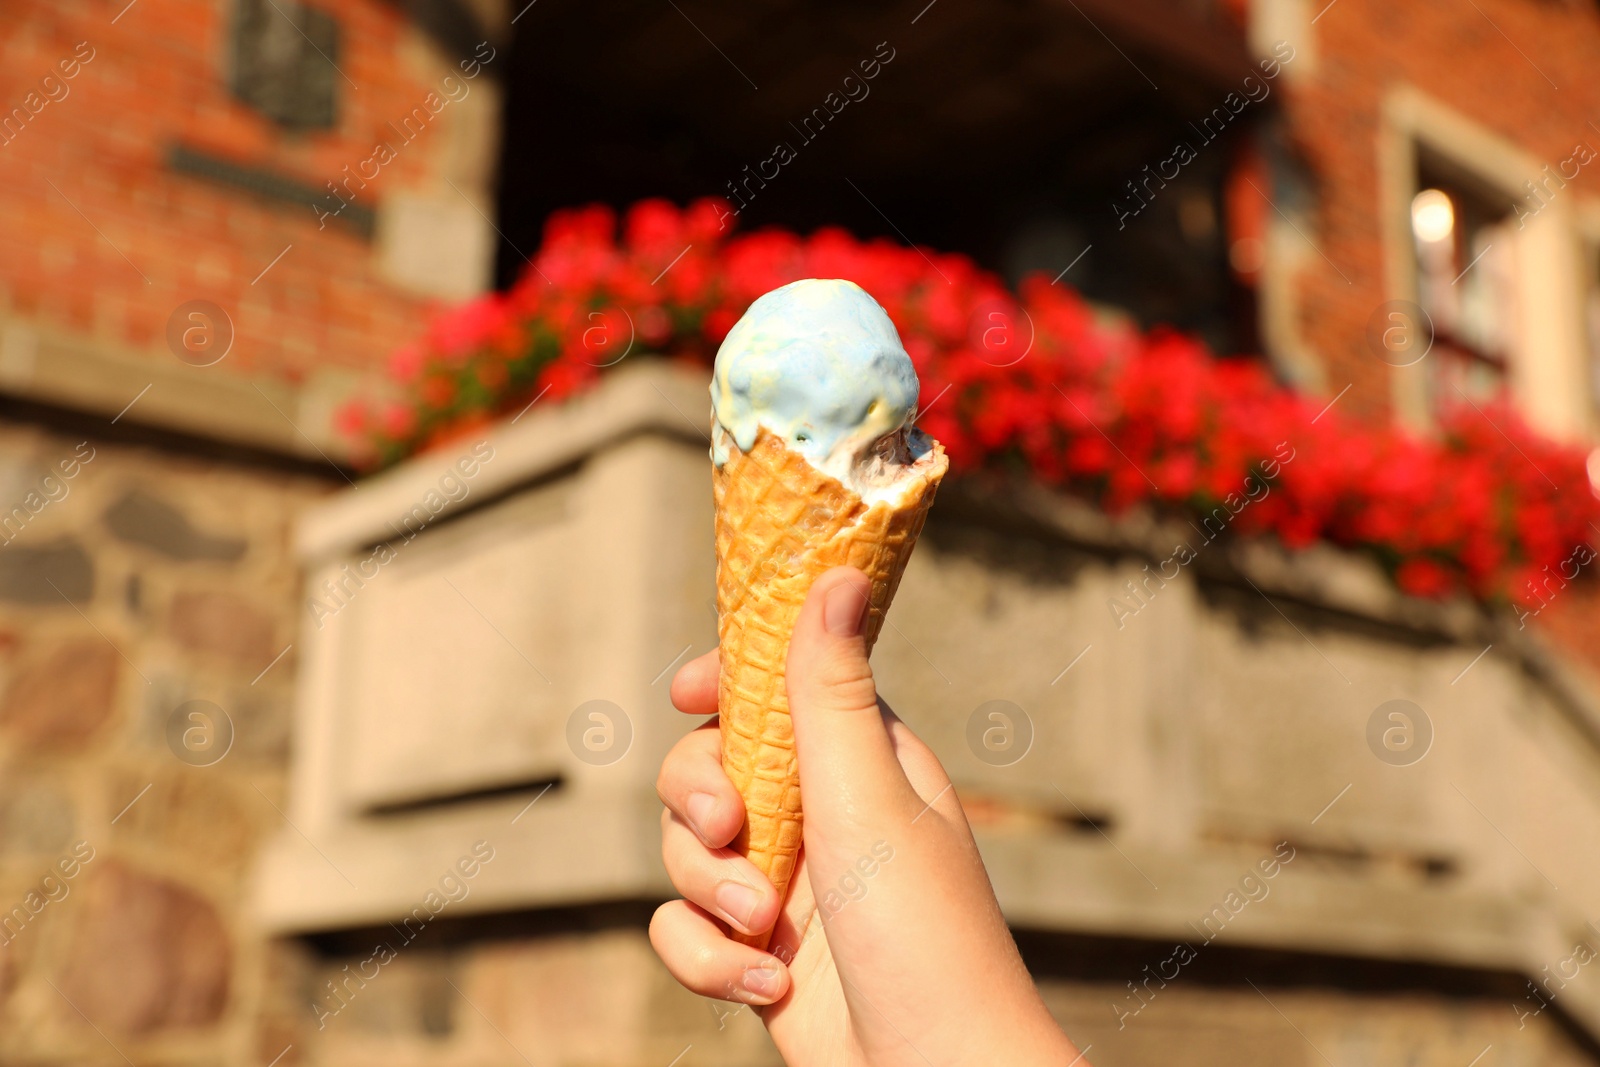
<point>818,363</point>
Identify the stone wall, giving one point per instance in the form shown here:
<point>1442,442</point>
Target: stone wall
<point>147,603</point>
<point>167,232</point>
<point>1349,58</point>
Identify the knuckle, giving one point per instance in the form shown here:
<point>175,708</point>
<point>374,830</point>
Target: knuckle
<point>702,964</point>
<point>843,677</point>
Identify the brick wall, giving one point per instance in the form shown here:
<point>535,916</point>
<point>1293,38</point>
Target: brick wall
<point>99,235</point>
<point>1521,68</point>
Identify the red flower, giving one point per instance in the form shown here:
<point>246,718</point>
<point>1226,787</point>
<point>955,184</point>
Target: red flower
<point>438,391</point>
<point>717,325</point>
<point>1423,577</point>
<point>351,419</point>
<point>398,421</point>
<point>406,363</point>
<point>1036,379</point>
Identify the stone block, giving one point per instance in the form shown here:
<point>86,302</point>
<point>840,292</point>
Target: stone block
<point>45,574</point>
<point>193,811</point>
<point>64,696</point>
<point>261,719</point>
<point>36,818</point>
<point>148,955</point>
<point>436,245</point>
<point>403,993</point>
<point>601,998</point>
<point>223,625</point>
<point>142,518</point>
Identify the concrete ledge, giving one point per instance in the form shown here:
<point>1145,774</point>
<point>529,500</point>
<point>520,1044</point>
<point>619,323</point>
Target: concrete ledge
<point>381,869</point>
<point>51,367</point>
<point>1060,882</point>
<point>644,397</point>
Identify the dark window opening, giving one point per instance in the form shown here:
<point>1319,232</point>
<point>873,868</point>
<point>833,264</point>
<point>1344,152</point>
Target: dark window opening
<point>1017,135</point>
<point>1463,237</point>
<point>283,62</point>
<point>1591,311</point>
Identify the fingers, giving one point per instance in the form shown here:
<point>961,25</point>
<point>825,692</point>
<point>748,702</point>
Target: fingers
<point>694,687</point>
<point>692,785</point>
<point>700,956</point>
<point>843,746</point>
<point>717,879</point>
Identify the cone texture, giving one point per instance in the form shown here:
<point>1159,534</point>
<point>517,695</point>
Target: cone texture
<point>781,523</point>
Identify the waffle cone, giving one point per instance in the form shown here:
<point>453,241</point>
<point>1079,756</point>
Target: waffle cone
<point>780,523</point>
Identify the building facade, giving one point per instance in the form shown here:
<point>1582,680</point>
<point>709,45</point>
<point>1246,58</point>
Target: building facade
<point>275,795</point>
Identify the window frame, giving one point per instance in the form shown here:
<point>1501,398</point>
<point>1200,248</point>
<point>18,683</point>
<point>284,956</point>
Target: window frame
<point>1547,359</point>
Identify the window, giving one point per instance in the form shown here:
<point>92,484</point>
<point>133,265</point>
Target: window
<point>1483,234</point>
<point>1464,242</point>
<point>283,62</point>
<point>1591,321</point>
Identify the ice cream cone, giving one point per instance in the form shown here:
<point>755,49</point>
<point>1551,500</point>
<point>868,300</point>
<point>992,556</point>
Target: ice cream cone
<point>780,523</point>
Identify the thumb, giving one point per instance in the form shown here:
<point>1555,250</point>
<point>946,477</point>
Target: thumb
<point>847,761</point>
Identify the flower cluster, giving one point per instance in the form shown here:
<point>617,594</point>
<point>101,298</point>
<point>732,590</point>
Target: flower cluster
<point>1035,382</point>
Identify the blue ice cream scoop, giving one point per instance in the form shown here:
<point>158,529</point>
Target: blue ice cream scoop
<point>818,363</point>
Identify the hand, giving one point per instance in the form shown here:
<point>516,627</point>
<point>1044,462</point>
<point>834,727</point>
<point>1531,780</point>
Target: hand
<point>914,964</point>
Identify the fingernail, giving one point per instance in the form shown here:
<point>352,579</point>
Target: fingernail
<point>762,981</point>
<point>738,902</point>
<point>844,611</point>
<point>699,808</point>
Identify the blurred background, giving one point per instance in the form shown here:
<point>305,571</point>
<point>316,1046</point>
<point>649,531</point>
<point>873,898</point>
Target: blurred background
<point>307,766</point>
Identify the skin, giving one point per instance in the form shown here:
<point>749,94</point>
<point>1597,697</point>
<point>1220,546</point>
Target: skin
<point>911,964</point>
